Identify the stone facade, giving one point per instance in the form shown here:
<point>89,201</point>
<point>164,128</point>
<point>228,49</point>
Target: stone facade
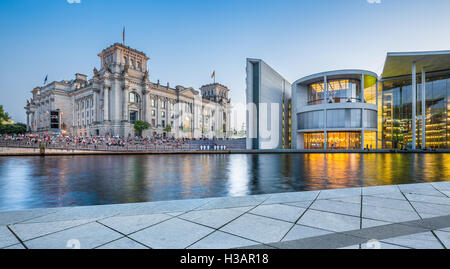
<point>120,93</point>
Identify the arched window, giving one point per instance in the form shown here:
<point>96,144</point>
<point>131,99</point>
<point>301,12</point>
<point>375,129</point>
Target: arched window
<point>134,97</point>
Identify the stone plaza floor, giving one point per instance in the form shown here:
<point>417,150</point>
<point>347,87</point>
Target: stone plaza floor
<point>386,217</point>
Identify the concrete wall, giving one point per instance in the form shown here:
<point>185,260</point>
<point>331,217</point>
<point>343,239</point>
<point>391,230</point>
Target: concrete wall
<point>267,100</point>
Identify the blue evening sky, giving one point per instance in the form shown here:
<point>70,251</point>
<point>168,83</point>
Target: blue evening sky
<point>187,39</point>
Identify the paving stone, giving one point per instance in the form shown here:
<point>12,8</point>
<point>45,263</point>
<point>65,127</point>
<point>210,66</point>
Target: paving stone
<point>304,204</point>
<point>6,237</point>
<point>290,197</point>
<point>221,240</point>
<point>89,236</point>
<point>339,193</point>
<point>349,199</point>
<point>327,241</point>
<point>428,199</point>
<point>427,210</point>
<point>279,211</point>
<point>165,207</point>
<point>175,214</point>
<point>386,231</point>
<point>215,218</point>
<point>387,203</point>
<point>230,202</point>
<point>391,195</point>
<point>130,224</point>
<point>27,231</point>
<point>424,240</point>
<point>351,247</point>
<point>329,221</point>
<point>445,229</point>
<point>388,214</point>
<point>380,190</point>
<point>381,245</point>
<point>442,186</point>
<point>171,234</point>
<point>300,232</point>
<point>16,246</point>
<point>367,223</point>
<point>444,237</point>
<point>84,212</point>
<point>123,243</point>
<point>12,217</point>
<point>260,246</point>
<point>257,228</point>
<point>432,223</point>
<point>337,207</point>
<point>420,188</point>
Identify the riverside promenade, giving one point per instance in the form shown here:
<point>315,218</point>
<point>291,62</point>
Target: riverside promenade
<point>385,217</point>
<point>28,151</point>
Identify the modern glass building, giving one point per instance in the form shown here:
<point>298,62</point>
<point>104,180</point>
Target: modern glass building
<point>407,106</point>
<point>335,110</point>
<point>414,102</point>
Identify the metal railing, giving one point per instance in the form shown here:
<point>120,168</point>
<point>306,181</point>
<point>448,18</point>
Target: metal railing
<point>115,148</point>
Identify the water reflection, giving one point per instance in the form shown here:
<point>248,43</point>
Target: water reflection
<point>29,182</point>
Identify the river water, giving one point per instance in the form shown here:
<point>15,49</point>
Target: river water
<point>34,182</point>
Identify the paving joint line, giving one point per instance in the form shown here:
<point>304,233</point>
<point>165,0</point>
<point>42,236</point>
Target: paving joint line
<point>65,229</point>
<point>17,237</point>
<point>218,229</point>
<point>123,236</point>
<point>304,212</point>
<point>415,210</point>
<point>439,191</point>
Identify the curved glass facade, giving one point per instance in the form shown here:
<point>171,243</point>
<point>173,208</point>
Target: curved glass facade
<point>343,91</point>
<point>343,118</point>
<point>337,118</point>
<point>311,120</point>
<point>337,91</point>
<point>316,93</point>
<point>370,89</point>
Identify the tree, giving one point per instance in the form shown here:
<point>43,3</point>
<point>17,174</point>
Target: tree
<point>4,117</point>
<point>140,126</point>
<point>168,129</point>
<point>18,128</point>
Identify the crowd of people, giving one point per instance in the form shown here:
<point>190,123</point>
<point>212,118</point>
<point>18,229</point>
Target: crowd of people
<point>64,141</point>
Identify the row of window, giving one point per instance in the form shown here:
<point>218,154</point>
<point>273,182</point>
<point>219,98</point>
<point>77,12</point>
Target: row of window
<point>337,118</point>
<point>87,103</point>
<point>343,91</point>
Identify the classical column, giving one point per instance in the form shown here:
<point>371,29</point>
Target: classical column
<point>424,118</point>
<point>117,96</point>
<point>28,121</point>
<point>168,119</point>
<point>125,102</point>
<point>96,105</point>
<point>157,110</point>
<point>413,92</point>
<point>105,103</point>
<point>144,104</point>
